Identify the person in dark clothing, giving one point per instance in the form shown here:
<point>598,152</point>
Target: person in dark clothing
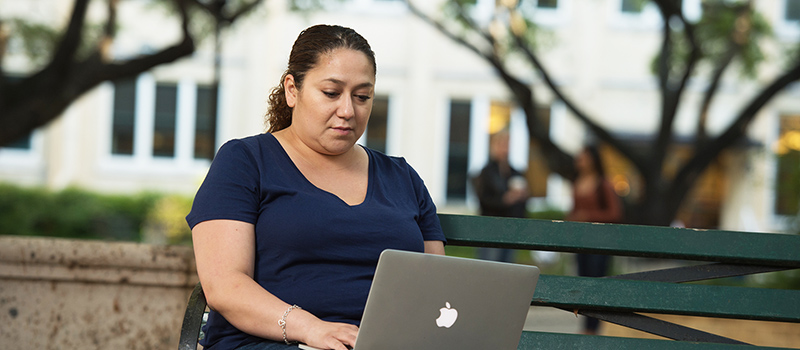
<point>501,190</point>
<point>288,225</point>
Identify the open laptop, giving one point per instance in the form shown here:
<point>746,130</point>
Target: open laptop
<point>423,301</point>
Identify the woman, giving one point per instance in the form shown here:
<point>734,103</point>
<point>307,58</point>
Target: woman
<point>594,201</point>
<point>288,225</point>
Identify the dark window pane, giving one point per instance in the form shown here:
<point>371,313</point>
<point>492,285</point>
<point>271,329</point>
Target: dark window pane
<point>548,4</point>
<point>206,123</point>
<point>793,10</point>
<point>458,157</point>
<point>632,6</point>
<point>376,129</point>
<point>124,114</point>
<point>165,118</point>
<point>22,144</point>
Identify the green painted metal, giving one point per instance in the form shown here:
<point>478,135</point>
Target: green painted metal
<point>624,240</point>
<point>668,298</point>
<point>559,341</point>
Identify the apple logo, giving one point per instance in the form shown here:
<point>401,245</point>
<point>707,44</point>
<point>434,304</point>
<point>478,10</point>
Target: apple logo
<point>447,316</point>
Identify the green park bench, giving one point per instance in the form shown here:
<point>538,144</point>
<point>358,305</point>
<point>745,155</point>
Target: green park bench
<point>625,299</point>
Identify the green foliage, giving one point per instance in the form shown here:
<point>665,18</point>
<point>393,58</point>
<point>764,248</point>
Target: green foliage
<point>75,213</point>
<point>37,41</point>
<point>724,24</point>
<point>166,219</point>
<point>789,279</point>
<point>548,214</point>
<point>725,28</point>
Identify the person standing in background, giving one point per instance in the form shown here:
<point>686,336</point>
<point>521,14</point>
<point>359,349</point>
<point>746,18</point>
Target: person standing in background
<point>594,200</point>
<point>501,190</point>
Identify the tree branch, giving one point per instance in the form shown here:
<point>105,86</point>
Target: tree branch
<point>65,52</point>
<point>734,48</point>
<point>109,31</point>
<point>599,131</point>
<point>670,94</point>
<point>439,26</point>
<point>711,92</point>
<point>692,170</point>
<point>558,160</point>
<point>3,45</point>
<point>42,97</point>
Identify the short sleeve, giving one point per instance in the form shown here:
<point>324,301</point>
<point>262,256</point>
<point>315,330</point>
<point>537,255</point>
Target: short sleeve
<point>231,187</point>
<point>428,219</point>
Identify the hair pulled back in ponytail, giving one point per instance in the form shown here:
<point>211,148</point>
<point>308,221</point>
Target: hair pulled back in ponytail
<point>308,47</point>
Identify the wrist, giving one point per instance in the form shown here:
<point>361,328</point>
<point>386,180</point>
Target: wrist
<point>298,323</point>
<point>284,321</point>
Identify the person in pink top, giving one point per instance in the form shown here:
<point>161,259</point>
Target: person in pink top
<point>594,200</point>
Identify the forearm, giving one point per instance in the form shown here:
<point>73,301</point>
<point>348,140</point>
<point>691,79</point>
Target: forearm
<point>225,255</point>
<point>246,305</point>
<point>434,247</point>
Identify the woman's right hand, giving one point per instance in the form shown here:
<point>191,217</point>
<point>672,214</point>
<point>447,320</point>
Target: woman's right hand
<point>310,330</point>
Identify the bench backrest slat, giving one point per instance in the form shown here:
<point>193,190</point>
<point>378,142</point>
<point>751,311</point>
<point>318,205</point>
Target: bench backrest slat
<point>565,341</point>
<point>624,240</point>
<point>668,298</point>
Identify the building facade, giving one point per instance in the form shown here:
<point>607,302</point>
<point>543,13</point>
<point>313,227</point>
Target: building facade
<point>435,103</point>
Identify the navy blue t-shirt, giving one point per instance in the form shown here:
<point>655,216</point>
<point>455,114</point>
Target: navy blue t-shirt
<point>312,248</point>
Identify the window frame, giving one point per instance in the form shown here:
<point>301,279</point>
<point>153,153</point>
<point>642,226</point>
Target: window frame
<point>787,30</point>
<point>549,18</point>
<point>25,159</point>
<point>143,161</point>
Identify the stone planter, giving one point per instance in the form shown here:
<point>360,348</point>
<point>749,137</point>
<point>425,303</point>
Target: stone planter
<point>74,294</point>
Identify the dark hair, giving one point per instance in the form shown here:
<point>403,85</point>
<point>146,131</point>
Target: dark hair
<point>597,161</point>
<point>309,45</point>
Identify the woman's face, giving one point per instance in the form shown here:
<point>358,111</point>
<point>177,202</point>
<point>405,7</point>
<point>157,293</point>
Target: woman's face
<point>331,111</point>
<point>583,162</point>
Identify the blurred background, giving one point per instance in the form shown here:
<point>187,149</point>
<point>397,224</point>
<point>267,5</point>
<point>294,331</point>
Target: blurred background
<point>698,124</point>
<point>112,110</point>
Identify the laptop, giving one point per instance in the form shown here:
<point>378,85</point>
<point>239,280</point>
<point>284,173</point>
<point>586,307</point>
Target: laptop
<point>424,301</point>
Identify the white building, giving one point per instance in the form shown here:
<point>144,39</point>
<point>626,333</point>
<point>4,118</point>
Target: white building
<point>433,100</point>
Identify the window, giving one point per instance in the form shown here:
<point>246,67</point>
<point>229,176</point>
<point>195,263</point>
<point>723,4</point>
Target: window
<point>123,117</point>
<point>547,13</point>
<point>205,128</point>
<point>547,4</point>
<point>632,6</point>
<point>21,144</point>
<point>787,181</point>
<point>458,156</point>
<point>787,27</point>
<point>165,118</point>
<point>637,15</point>
<point>792,10</point>
<point>376,129</point>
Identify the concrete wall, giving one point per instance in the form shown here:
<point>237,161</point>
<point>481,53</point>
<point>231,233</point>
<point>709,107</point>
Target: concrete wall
<point>72,294</point>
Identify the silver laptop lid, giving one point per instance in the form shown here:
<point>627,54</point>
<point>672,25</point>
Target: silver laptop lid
<point>423,301</point>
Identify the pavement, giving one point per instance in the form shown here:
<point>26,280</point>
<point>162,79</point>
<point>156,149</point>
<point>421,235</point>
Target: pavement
<point>548,319</point>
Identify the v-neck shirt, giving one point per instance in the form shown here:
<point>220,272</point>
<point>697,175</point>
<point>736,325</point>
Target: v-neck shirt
<point>312,248</point>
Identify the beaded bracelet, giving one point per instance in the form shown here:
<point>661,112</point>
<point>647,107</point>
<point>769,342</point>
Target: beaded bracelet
<point>282,322</point>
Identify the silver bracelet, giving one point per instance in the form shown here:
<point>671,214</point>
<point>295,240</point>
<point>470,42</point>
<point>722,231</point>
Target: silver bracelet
<point>282,322</point>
